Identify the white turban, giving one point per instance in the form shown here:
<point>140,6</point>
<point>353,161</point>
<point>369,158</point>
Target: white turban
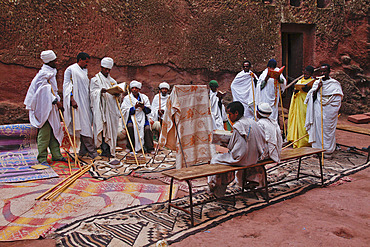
<point>264,109</point>
<point>107,62</point>
<point>135,84</point>
<point>48,56</point>
<point>164,85</point>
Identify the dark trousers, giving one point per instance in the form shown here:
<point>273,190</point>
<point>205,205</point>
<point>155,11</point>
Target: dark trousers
<point>148,137</point>
<point>87,147</point>
<point>105,149</point>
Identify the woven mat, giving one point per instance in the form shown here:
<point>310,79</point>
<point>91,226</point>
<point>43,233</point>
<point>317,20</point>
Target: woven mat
<point>18,152</point>
<point>23,217</point>
<point>145,225</point>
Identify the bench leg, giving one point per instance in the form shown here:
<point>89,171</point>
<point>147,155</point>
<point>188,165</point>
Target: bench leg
<point>191,202</point>
<point>170,196</point>
<point>299,167</point>
<point>266,185</point>
<point>321,171</point>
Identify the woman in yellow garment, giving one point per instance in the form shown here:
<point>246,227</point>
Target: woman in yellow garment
<point>297,110</point>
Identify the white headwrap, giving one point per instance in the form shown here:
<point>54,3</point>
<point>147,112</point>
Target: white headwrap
<point>135,84</point>
<point>264,109</point>
<point>48,56</point>
<point>107,62</point>
<point>164,85</point>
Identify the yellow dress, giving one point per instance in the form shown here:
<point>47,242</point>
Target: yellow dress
<point>297,118</point>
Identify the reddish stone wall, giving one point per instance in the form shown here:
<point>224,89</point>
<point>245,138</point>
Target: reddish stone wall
<point>175,40</point>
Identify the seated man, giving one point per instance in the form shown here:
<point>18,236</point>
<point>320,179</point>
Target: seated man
<point>217,108</point>
<point>271,129</point>
<point>246,146</point>
<point>159,106</point>
<point>135,108</point>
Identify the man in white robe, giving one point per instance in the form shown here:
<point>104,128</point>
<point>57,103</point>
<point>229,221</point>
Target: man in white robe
<point>136,108</point>
<point>76,100</point>
<point>105,110</point>
<point>42,101</point>
<point>331,97</point>
<point>267,90</point>
<point>217,108</point>
<point>271,130</point>
<point>243,89</point>
<point>246,146</point>
<point>159,106</point>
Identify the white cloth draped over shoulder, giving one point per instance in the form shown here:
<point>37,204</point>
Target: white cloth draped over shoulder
<point>140,116</point>
<point>218,115</point>
<point>273,137</point>
<point>268,93</point>
<point>331,101</point>
<point>76,81</point>
<point>39,100</point>
<point>105,111</point>
<point>155,105</point>
<point>242,91</point>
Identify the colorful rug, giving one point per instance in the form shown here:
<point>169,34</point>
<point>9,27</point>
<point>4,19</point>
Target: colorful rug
<point>145,225</point>
<point>18,152</point>
<point>23,217</point>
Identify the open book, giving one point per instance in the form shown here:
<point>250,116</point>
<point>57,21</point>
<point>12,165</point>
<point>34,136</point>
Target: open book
<point>117,89</point>
<point>275,74</point>
<point>300,86</point>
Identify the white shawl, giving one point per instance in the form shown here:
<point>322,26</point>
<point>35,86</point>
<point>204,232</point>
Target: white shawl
<point>155,105</point>
<point>217,115</point>
<point>273,137</point>
<point>105,111</point>
<point>76,80</point>
<point>39,100</point>
<point>140,116</point>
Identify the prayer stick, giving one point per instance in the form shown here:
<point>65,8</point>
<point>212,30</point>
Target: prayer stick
<point>254,100</point>
<point>322,128</point>
<point>65,126</point>
<point>282,111</point>
<point>290,144</point>
<point>52,188</point>
<point>137,128</point>
<point>74,137</point>
<point>128,135</point>
<point>68,183</point>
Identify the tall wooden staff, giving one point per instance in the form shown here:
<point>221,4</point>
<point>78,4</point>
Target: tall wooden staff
<point>322,127</point>
<point>137,127</point>
<point>66,128</point>
<point>74,130</point>
<point>128,135</point>
<point>282,110</point>
<point>254,101</point>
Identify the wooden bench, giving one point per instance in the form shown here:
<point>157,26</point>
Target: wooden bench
<point>200,171</point>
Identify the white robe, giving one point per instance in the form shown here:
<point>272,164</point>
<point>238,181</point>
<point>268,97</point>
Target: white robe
<point>140,116</point>
<point>105,111</point>
<point>218,115</point>
<point>267,95</point>
<point>39,100</point>
<point>80,86</point>
<point>273,137</point>
<point>155,105</point>
<point>242,89</point>
<point>331,101</point>
<point>247,145</point>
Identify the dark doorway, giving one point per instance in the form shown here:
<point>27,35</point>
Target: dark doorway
<point>295,3</point>
<point>293,54</point>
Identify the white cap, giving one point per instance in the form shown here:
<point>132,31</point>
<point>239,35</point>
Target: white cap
<point>164,85</point>
<point>135,84</point>
<point>48,56</point>
<point>264,109</point>
<point>107,62</point>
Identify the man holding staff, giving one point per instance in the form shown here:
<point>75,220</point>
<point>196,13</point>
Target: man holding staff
<point>136,108</point>
<point>243,89</point>
<point>323,104</point>
<point>76,100</point>
<point>42,101</point>
<point>105,112</point>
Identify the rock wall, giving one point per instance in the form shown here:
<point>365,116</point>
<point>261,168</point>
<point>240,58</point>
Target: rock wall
<point>179,41</point>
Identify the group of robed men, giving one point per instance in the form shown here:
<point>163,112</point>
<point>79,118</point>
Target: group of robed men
<point>90,112</point>
<point>258,98</point>
<point>86,103</point>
